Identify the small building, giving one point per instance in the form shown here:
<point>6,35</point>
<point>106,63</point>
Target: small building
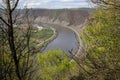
<point>38,27</point>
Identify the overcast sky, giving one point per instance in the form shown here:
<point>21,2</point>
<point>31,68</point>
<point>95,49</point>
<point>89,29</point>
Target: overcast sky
<point>55,4</point>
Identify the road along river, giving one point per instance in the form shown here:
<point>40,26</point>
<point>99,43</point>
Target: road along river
<point>65,40</point>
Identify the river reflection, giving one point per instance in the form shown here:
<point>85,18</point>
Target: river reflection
<point>65,40</point>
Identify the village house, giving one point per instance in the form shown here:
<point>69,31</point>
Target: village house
<point>37,27</point>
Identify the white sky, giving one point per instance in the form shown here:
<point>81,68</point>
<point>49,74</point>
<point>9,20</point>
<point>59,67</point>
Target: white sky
<point>55,4</point>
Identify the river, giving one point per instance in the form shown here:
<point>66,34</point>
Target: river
<point>65,40</point>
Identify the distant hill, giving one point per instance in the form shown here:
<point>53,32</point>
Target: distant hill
<point>61,16</point>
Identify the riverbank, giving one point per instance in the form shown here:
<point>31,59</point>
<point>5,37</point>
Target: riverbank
<point>79,40</point>
<point>80,52</point>
<point>64,41</point>
<point>43,44</point>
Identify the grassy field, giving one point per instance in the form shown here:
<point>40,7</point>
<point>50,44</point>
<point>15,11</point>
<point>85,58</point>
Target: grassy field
<point>40,36</point>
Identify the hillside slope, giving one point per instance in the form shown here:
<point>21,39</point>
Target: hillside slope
<point>60,16</point>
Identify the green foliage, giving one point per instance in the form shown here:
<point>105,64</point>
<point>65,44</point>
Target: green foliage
<point>55,65</point>
<point>39,36</point>
<point>102,42</point>
<point>43,34</point>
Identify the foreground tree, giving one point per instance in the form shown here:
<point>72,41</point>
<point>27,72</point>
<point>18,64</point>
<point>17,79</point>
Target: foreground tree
<point>56,65</point>
<point>107,3</point>
<point>16,62</point>
<point>102,43</point>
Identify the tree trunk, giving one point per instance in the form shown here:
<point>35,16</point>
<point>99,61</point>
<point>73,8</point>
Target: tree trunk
<point>11,40</point>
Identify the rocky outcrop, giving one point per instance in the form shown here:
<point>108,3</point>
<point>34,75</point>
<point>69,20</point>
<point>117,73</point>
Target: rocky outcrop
<point>62,16</point>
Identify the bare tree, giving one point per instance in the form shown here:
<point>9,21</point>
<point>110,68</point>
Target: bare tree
<point>16,61</point>
<point>114,3</point>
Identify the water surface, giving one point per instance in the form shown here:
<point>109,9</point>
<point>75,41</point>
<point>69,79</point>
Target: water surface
<point>65,40</point>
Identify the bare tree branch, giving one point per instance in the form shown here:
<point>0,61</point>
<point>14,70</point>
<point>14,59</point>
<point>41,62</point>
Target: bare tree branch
<point>16,3</point>
<point>106,2</point>
<point>4,21</point>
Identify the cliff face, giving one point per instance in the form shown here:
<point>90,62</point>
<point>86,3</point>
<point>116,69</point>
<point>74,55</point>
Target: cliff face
<point>62,16</point>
